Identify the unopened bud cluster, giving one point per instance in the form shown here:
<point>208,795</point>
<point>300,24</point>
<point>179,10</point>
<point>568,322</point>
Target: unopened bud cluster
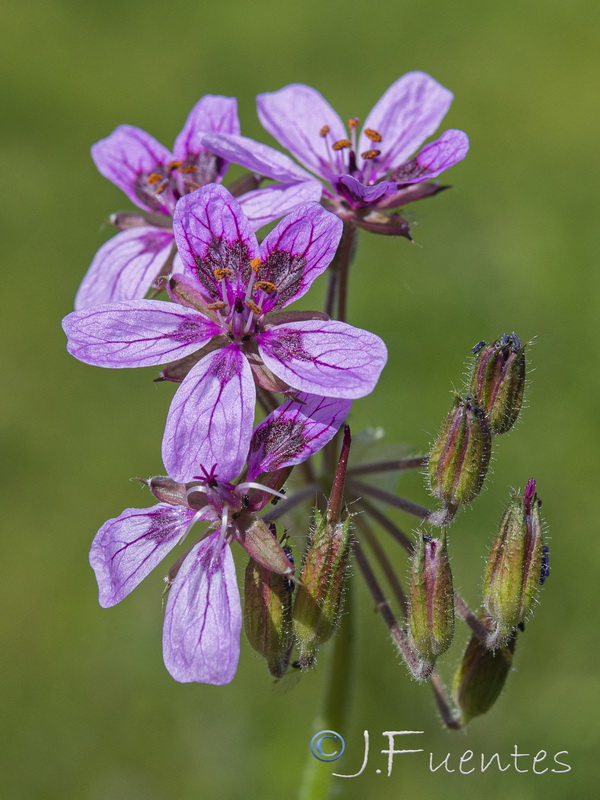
<point>460,455</point>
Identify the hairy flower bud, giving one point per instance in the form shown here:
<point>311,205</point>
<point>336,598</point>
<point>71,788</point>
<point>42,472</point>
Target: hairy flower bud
<point>431,616</point>
<point>481,676</point>
<point>268,615</point>
<point>321,588</point>
<point>498,380</point>
<point>460,455</point>
<point>515,564</point>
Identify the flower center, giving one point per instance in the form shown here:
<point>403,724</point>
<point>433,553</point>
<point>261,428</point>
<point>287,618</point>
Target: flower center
<point>240,308</point>
<point>162,188</point>
<point>340,154</point>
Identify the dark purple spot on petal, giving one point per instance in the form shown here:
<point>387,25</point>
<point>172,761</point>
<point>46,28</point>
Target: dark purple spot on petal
<point>285,270</point>
<point>222,254</point>
<point>288,346</point>
<point>188,331</point>
<point>282,440</point>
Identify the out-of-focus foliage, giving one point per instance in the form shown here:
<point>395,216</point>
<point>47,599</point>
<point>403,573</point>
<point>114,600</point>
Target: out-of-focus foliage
<point>88,711</point>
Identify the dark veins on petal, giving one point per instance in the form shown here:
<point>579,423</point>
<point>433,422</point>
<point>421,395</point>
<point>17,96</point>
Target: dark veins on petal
<point>221,254</point>
<point>279,441</point>
<point>289,346</point>
<point>283,269</point>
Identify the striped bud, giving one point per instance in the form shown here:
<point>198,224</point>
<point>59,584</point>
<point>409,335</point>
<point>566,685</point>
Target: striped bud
<point>460,455</point>
<point>498,380</point>
<point>431,616</point>
<point>321,587</point>
<point>515,563</point>
<point>268,615</point>
<point>481,676</point>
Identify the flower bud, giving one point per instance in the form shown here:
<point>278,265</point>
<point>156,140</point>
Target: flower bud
<point>460,455</point>
<point>431,616</point>
<point>320,591</point>
<point>498,380</point>
<point>480,677</point>
<point>268,615</point>
<point>515,564</point>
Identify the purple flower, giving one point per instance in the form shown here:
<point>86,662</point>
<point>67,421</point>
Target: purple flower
<point>203,613</point>
<point>154,179</point>
<point>374,172</point>
<point>228,326</point>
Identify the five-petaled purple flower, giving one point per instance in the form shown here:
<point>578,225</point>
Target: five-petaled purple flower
<point>201,634</point>
<point>154,179</point>
<point>228,317</point>
<point>368,174</point>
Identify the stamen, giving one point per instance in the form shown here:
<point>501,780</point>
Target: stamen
<point>154,178</point>
<point>187,168</point>
<point>261,487</point>
<point>370,154</point>
<point>173,165</point>
<point>193,520</point>
<point>373,135</point>
<point>342,144</point>
<point>191,185</point>
<point>222,272</point>
<point>324,131</point>
<point>266,286</point>
<point>352,125</point>
<point>255,264</point>
<point>215,306</point>
<point>257,310</point>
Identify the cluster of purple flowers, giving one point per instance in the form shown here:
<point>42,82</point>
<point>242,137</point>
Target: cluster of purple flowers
<point>225,331</point>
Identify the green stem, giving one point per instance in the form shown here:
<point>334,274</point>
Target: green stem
<point>316,783</point>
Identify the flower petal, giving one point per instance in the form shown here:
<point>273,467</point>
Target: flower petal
<point>295,431</point>
<point>125,155</point>
<point>332,359</point>
<point>212,233</point>
<point>407,113</point>
<point>262,206</point>
<point>256,157</point>
<point>125,266</point>
<point>127,548</point>
<point>359,195</point>
<point>434,158</point>
<point>295,252</point>
<point>203,617</point>
<point>212,113</point>
<point>211,416</point>
<point>135,333</point>
<point>295,116</point>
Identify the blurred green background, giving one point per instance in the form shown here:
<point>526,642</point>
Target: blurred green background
<point>87,710</point>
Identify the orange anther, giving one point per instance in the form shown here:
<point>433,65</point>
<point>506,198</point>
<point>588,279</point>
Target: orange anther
<point>255,264</point>
<point>370,154</point>
<point>222,272</point>
<point>266,286</point>
<point>374,136</point>
<point>324,130</point>
<point>254,308</point>
<point>353,122</point>
<point>215,306</point>
<point>341,144</point>
<point>154,177</point>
